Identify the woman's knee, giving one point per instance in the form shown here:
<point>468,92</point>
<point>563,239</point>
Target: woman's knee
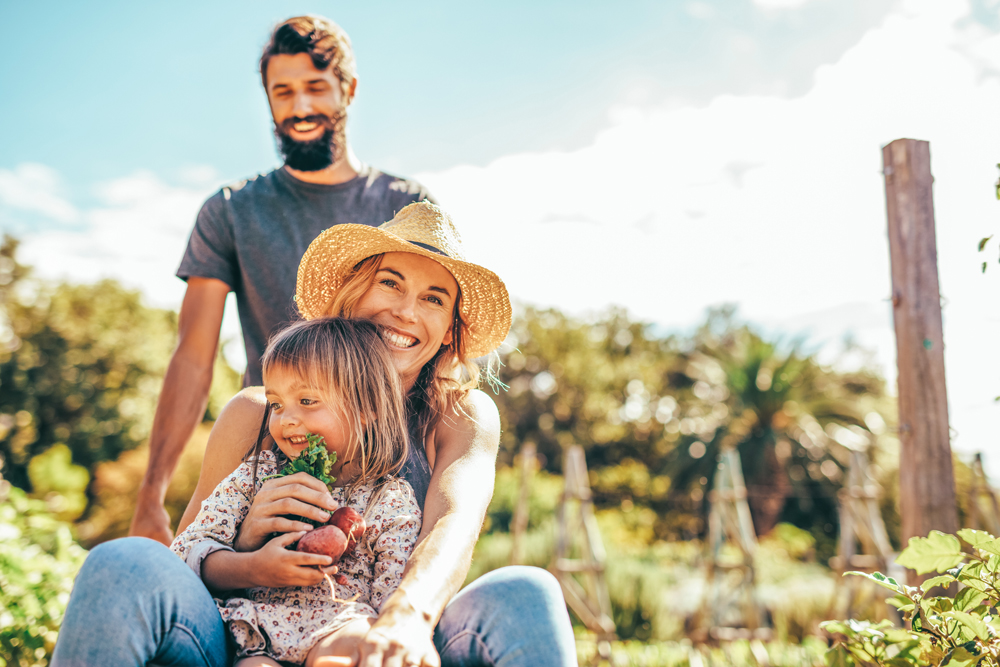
<point>519,584</point>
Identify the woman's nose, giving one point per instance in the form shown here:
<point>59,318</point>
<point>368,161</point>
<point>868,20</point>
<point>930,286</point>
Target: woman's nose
<point>405,309</point>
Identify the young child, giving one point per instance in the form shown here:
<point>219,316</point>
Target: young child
<point>333,378</point>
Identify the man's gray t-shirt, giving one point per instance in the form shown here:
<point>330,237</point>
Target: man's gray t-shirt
<point>251,236</point>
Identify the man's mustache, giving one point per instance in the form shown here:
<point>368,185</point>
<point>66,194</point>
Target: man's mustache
<point>326,122</point>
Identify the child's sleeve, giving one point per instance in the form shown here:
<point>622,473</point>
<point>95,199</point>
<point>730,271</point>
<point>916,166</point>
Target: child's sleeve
<point>399,527</point>
<point>220,516</point>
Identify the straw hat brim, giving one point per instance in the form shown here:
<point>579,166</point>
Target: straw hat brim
<point>485,304</point>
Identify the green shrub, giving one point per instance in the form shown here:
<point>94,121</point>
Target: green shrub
<point>38,561</point>
<point>957,629</point>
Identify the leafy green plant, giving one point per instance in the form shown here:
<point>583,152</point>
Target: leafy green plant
<point>38,561</point>
<point>315,460</point>
<point>954,630</point>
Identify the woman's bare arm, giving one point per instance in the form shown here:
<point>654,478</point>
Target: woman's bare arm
<point>233,434</point>
<point>460,491</point>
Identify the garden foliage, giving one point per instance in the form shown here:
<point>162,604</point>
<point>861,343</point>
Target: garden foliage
<point>958,628</point>
<point>38,561</point>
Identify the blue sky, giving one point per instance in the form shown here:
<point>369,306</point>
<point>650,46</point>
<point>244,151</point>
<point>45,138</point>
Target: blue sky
<point>101,89</point>
<point>687,153</point>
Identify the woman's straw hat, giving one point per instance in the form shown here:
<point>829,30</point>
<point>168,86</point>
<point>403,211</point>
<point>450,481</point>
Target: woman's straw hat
<point>420,228</point>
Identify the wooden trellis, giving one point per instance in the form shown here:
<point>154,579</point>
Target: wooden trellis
<point>579,561</point>
<point>730,608</point>
<point>519,525</point>
<point>864,542</point>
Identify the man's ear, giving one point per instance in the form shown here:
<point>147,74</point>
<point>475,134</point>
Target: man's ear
<point>351,90</point>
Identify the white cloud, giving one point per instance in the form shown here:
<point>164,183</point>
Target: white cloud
<point>135,235</point>
<point>35,188</point>
<point>779,4</point>
<point>776,204</point>
<point>700,10</point>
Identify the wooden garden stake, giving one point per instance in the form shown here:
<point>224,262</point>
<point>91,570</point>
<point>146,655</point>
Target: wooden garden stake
<point>926,479</point>
<point>576,532</point>
<point>730,609</point>
<point>520,523</point>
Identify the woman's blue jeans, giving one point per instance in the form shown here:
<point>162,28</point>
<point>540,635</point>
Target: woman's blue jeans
<point>136,603</point>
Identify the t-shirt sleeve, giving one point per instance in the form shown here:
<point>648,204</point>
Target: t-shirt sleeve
<point>211,249</point>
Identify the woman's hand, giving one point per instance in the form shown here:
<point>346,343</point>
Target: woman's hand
<point>280,567</point>
<point>296,495</point>
<point>399,639</point>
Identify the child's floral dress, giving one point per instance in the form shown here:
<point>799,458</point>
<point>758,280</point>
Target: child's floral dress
<point>285,623</point>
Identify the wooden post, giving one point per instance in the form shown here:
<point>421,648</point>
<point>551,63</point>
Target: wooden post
<point>926,479</point>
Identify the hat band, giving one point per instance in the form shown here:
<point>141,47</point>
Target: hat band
<point>431,248</point>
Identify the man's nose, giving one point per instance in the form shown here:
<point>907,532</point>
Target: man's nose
<point>302,105</point>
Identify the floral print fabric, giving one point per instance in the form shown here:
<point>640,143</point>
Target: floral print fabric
<point>285,623</point>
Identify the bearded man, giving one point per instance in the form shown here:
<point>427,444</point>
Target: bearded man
<point>249,237</point>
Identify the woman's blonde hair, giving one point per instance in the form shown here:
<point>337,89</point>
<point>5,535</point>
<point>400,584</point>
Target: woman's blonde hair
<point>349,365</point>
<point>446,380</point>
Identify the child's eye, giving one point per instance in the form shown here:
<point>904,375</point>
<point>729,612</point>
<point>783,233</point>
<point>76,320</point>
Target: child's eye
<point>308,401</point>
<point>274,406</point>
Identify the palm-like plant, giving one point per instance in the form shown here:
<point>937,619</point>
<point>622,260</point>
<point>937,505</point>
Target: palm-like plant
<point>791,419</point>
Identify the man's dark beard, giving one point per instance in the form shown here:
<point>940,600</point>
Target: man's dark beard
<point>317,154</point>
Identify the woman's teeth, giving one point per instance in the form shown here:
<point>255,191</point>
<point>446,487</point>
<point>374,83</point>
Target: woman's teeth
<point>398,340</point>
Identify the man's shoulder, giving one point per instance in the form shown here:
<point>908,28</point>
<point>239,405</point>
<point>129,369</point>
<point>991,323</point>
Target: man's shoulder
<point>241,190</point>
<point>384,183</point>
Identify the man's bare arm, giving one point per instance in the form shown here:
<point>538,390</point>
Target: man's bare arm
<point>182,401</point>
<point>459,494</point>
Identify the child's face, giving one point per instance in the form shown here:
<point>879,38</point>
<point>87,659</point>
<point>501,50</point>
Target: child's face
<point>298,410</point>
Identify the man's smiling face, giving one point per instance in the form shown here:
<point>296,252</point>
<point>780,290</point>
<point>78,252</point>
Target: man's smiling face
<point>309,108</point>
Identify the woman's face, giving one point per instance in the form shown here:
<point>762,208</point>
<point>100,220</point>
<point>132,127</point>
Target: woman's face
<point>414,298</point>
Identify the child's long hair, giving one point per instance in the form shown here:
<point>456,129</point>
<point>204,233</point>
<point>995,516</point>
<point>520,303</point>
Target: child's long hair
<point>349,365</point>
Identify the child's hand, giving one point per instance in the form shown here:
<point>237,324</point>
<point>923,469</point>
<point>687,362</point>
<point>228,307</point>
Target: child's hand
<point>296,495</point>
<point>279,567</point>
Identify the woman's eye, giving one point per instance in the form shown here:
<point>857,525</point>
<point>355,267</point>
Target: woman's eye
<point>388,282</point>
<point>435,299</point>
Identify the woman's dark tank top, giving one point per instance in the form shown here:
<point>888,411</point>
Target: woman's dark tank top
<point>417,470</point>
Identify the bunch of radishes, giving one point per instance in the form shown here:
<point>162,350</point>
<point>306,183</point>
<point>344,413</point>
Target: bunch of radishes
<point>345,527</point>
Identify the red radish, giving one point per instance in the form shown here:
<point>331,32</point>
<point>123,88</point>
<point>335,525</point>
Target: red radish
<point>351,523</point>
<point>326,541</point>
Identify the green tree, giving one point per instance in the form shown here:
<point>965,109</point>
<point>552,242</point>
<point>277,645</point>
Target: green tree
<point>80,365</point>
